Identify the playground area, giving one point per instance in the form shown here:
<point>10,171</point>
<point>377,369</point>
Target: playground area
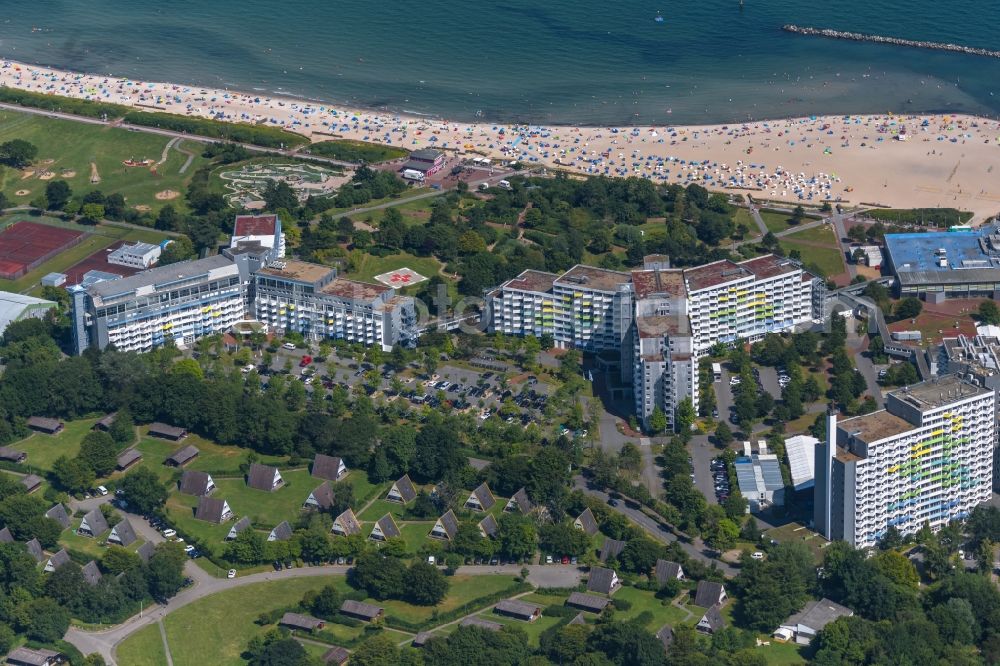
<point>245,186</point>
<point>25,245</point>
<point>402,277</point>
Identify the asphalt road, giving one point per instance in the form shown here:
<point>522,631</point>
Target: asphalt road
<point>724,396</point>
<point>702,451</point>
<point>658,531</point>
<point>769,380</point>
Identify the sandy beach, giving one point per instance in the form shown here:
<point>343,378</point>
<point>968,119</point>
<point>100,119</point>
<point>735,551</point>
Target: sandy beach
<point>892,160</point>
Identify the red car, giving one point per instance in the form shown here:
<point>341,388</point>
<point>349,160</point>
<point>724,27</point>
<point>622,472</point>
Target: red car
<point>306,360</point>
<point>565,559</point>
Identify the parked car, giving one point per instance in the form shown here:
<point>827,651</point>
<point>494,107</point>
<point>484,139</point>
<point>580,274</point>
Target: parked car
<point>288,345</point>
<point>169,533</point>
<point>102,490</point>
<point>757,555</point>
<point>231,574</point>
<point>548,559</point>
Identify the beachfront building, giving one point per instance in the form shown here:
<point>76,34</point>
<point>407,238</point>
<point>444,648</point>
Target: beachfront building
<point>427,161</point>
<point>730,301</point>
<point>926,458</point>
<point>179,302</point>
<point>656,322</point>
<point>946,264</point>
<point>665,368</point>
<point>526,305</point>
<point>259,230</point>
<point>977,359</point>
<point>138,255</point>
<point>310,299</point>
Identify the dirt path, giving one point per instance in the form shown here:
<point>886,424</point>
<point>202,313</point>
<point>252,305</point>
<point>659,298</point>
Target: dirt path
<point>166,646</point>
<point>95,176</point>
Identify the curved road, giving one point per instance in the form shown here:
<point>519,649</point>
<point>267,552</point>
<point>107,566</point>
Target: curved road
<point>106,641</point>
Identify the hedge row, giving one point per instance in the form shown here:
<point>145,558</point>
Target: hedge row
<point>258,135</point>
<point>464,609</point>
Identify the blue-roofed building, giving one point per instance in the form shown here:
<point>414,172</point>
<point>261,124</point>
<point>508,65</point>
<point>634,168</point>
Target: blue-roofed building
<point>759,478</point>
<point>946,264</point>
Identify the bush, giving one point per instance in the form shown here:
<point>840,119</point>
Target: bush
<point>268,137</point>
<point>559,610</point>
<point>622,604</point>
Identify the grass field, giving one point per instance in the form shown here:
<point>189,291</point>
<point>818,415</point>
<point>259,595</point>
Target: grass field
<point>413,212</point>
<point>366,266</point>
<point>782,654</point>
<point>356,151</point>
<point>72,147</point>
<point>797,532</point>
<point>532,629</point>
<point>775,222</point>
<point>43,449</point>
<point>462,590</point>
<point>818,246</point>
<point>264,507</point>
<point>414,534</point>
<point>143,648</point>
<point>220,626</point>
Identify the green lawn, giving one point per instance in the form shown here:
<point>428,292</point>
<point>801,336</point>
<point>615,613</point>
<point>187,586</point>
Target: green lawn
<point>663,613</point>
<point>533,629</point>
<point>782,654</point>
<point>366,266</point>
<point>817,246</point>
<point>143,648</point>
<point>82,544</point>
<point>43,449</point>
<point>356,151</point>
<point>774,221</point>
<point>219,627</point>
<point>381,507</point>
<point>823,234</point>
<point>266,508</point>
<point>414,534</point>
<point>67,149</point>
<point>365,490</point>
<point>413,212</point>
<point>462,590</point>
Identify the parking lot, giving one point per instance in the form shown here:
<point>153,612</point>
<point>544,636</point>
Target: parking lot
<point>476,391</point>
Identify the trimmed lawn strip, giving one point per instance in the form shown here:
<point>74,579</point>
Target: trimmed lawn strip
<point>143,648</point>
<point>221,625</point>
<point>663,613</point>
<point>533,629</point>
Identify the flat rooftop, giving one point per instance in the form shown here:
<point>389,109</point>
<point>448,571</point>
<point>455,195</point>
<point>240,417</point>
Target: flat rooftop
<point>939,392</point>
<point>300,271</point>
<point>160,276</point>
<point>589,277</point>
<point>255,225</point>
<point>769,266</point>
<point>714,274</point>
<point>360,291</point>
<point>962,251</point>
<point>659,325</point>
<point>875,426</point>
<point>651,282</point>
<point>537,281</point>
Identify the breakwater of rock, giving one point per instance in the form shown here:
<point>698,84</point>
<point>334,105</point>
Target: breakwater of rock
<point>896,41</point>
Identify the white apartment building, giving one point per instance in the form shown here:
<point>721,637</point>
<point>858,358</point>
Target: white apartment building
<point>660,319</point>
<point>312,300</point>
<point>526,305</point>
<point>665,368</point>
<point>593,308</point>
<point>730,301</point>
<point>927,457</point>
<point>139,255</point>
<point>180,302</point>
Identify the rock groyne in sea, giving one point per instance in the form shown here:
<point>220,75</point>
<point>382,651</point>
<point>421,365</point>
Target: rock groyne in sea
<point>896,41</point>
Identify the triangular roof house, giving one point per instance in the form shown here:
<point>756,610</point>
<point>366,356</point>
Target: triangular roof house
<point>264,477</point>
<point>446,527</point>
<point>93,524</point>
<point>346,523</point>
<point>402,490</point>
<point>384,528</point>
<point>122,534</point>
<point>331,468</point>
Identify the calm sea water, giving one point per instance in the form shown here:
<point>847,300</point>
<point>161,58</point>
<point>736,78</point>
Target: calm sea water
<point>546,61</point>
